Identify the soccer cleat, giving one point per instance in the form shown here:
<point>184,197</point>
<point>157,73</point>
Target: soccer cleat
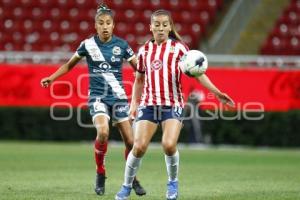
<point>172,190</point>
<point>100,184</point>
<point>139,190</point>
<point>124,193</point>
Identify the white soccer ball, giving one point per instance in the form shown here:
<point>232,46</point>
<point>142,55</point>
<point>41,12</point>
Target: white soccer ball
<point>193,63</point>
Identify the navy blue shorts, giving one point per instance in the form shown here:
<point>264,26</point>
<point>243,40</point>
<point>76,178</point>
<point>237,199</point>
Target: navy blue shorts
<point>158,114</point>
<point>118,111</point>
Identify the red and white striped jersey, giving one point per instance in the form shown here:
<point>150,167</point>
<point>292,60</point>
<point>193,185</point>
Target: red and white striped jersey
<point>162,73</point>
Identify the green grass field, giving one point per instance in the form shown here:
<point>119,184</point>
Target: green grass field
<point>66,171</point>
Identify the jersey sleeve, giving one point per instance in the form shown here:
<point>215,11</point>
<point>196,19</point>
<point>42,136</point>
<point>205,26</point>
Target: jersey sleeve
<point>81,50</point>
<point>140,62</point>
<point>129,54</point>
<point>183,47</point>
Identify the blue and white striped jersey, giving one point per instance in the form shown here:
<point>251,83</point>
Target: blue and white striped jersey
<point>105,62</point>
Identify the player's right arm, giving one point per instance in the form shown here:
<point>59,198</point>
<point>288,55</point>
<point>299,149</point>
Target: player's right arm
<point>136,93</point>
<point>138,83</point>
<point>65,68</point>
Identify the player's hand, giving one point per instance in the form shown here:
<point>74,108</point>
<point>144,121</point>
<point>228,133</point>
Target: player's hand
<point>45,82</point>
<point>225,99</point>
<point>132,111</point>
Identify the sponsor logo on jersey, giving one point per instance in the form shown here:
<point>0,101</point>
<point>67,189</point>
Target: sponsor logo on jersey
<point>104,67</point>
<point>116,50</point>
<point>156,64</point>
<point>115,59</point>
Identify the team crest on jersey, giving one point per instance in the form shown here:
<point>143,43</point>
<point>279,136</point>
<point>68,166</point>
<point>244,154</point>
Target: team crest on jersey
<point>116,50</point>
<point>172,49</point>
<point>156,64</point>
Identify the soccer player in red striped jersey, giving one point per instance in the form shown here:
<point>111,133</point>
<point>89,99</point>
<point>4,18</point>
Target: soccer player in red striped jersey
<point>157,91</point>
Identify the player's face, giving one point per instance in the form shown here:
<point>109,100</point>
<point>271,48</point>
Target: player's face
<point>104,25</point>
<point>160,27</point>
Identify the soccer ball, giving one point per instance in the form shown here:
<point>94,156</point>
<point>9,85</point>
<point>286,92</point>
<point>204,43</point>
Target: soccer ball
<point>193,63</point>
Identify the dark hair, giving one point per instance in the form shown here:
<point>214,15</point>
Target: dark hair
<point>173,34</point>
<point>103,9</point>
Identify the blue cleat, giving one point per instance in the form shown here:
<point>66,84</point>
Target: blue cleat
<point>124,193</point>
<point>172,192</point>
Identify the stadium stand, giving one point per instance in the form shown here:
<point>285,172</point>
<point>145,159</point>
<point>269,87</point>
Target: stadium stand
<point>59,25</point>
<point>284,38</point>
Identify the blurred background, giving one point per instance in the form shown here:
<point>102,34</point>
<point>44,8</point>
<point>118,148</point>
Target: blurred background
<point>253,49</point>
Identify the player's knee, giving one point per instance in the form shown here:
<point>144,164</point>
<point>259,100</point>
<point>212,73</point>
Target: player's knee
<point>169,147</point>
<point>139,149</point>
<point>102,134</point>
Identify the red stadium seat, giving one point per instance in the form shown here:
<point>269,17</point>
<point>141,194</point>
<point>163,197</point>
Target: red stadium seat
<point>84,4</point>
<point>6,38</point>
<point>191,32</point>
<point>17,46</point>
<point>142,5</point>
<point>132,15</point>
<point>10,4</point>
<point>275,46</point>
<point>66,4</point>
<point>177,5</point>
<point>18,37</point>
<point>17,13</point>
<point>123,28</point>
<point>46,4</point>
<point>294,46</point>
<point>29,4</point>
<point>158,4</point>
<point>146,16</point>
<point>9,25</point>
<point>128,4</point>
<point>281,30</point>
<point>141,29</point>
<point>117,4</point>
<point>294,30</point>
<point>2,46</point>
<point>48,26</point>
<point>202,18</point>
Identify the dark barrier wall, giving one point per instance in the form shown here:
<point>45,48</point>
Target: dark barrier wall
<point>275,129</point>
<point>272,89</point>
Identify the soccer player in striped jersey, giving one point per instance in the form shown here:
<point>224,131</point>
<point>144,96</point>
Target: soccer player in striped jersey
<point>104,54</point>
<point>157,91</point>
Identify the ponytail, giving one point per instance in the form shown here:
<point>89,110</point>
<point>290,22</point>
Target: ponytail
<point>103,9</point>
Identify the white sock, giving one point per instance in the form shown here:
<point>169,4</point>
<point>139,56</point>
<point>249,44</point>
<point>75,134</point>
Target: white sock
<point>131,168</point>
<point>172,164</point>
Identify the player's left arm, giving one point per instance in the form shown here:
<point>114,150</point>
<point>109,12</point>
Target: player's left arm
<point>223,97</point>
<point>133,63</point>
